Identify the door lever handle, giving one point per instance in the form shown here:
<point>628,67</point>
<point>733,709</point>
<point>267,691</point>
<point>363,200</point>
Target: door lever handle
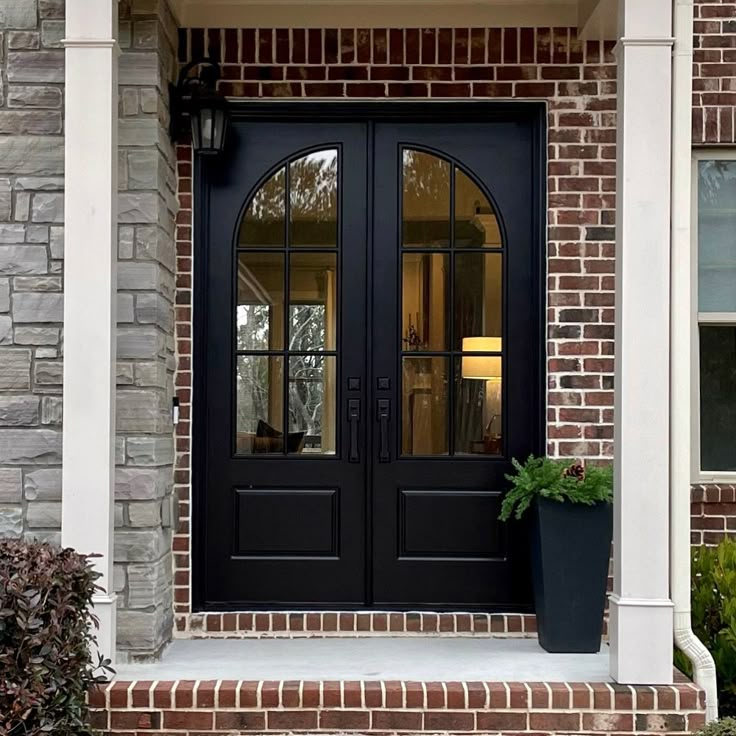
<point>354,421</point>
<point>384,416</point>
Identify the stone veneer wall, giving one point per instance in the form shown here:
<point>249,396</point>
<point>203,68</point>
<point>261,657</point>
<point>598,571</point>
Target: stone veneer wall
<point>31,298</point>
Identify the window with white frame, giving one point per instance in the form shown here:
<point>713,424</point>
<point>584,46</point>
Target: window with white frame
<point>715,225</point>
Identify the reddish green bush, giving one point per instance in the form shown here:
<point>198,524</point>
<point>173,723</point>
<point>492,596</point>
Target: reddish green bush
<point>46,640</point>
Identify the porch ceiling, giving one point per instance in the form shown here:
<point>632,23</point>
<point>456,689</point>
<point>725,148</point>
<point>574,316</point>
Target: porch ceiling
<point>594,18</point>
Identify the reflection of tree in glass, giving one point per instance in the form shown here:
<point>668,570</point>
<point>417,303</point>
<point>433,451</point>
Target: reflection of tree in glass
<point>253,382</point>
<point>426,199</point>
<point>306,394</point>
<point>253,326</point>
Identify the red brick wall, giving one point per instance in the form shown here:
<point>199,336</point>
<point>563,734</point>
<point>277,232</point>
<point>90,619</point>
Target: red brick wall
<point>714,84</point>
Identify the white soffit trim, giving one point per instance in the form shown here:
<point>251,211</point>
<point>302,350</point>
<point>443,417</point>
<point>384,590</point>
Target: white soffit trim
<point>375,14</point>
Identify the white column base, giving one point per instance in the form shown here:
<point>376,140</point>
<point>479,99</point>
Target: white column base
<point>104,606</point>
<point>641,634</point>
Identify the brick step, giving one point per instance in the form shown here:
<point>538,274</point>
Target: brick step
<point>286,624</point>
<point>196,708</point>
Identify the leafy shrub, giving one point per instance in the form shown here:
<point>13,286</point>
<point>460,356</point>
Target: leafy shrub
<point>557,480</point>
<point>46,635</point>
<point>714,615</point>
<point>724,727</point>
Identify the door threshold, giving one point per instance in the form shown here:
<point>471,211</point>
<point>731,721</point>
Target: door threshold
<point>291,624</point>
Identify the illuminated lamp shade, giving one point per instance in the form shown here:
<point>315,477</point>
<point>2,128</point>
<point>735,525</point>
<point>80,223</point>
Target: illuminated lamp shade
<point>482,367</point>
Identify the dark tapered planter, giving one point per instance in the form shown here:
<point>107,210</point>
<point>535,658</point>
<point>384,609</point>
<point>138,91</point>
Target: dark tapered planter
<point>571,547</point>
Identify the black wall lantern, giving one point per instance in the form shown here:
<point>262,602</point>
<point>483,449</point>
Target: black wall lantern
<point>197,98</point>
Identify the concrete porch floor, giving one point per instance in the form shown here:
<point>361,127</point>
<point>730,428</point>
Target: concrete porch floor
<point>409,659</point>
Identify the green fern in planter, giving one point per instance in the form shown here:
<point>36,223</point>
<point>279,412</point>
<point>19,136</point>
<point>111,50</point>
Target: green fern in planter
<point>556,480</point>
<point>724,727</point>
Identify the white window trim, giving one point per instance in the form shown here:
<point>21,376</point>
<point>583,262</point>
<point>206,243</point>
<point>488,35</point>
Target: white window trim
<point>701,477</point>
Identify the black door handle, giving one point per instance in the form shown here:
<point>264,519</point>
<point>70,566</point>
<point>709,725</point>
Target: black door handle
<point>354,421</point>
<point>384,416</point>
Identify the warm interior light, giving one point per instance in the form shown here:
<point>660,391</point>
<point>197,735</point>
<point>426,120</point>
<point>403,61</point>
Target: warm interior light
<point>482,367</point>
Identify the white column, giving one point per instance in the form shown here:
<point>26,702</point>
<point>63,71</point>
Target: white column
<point>90,256</point>
<point>641,611</point>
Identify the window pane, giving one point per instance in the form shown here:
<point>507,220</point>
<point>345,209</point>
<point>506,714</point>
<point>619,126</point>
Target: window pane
<point>312,301</point>
<point>478,405</point>
<point>260,387</point>
<point>476,225</point>
<point>312,399</point>
<point>313,187</point>
<point>264,224</point>
<point>718,398</point>
<point>260,310</point>
<point>717,236</point>
<point>425,297</point>
<point>478,296</point>
<point>426,201</point>
<point>424,406</point>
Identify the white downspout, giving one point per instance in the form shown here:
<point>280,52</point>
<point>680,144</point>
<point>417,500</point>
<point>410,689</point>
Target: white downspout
<point>682,322</point>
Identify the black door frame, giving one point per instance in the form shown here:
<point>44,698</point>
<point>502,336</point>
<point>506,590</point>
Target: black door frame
<point>436,112</point>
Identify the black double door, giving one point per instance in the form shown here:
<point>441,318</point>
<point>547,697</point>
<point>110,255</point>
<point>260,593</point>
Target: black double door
<point>369,363</point>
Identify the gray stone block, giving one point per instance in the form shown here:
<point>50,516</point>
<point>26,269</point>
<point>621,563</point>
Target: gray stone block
<point>139,69</point>
<point>44,515</point>
<point>140,546</point>
<point>36,336</point>
<point>37,535</point>
<point>143,411</point>
<point>37,283</point>
<point>36,66</point>
<point>18,14</point>
<point>139,343</point>
<point>12,234</point>
<point>57,242</point>
<point>144,514</point>
<point>150,451</point>
<point>124,375</point>
<point>15,369</point>
<point>19,40</point>
<point>6,330</point>
<point>52,33</point>
<point>6,200</point>
<point>153,244</point>
<point>30,447</point>
<point>138,208</point>
<point>37,234</point>
<point>39,183</point>
<point>129,101</point>
<point>47,353</point>
<point>126,312</point>
<point>48,373</point>
<point>20,259</point>
<point>19,411</point>
<point>119,450</point>
<point>11,521</point>
<point>43,485</point>
<point>142,484</point>
<point>48,207</point>
<point>38,308</point>
<point>119,516</point>
<point>149,100</point>
<point>4,295</point>
<point>143,169</point>
<point>119,578</point>
<point>21,95</point>
<point>153,375</point>
<point>145,34</point>
<point>29,122</point>
<point>11,485</point>
<point>52,410</point>
<point>22,209</point>
<point>154,309</point>
<point>51,8</point>
<point>147,584</point>
<point>32,155</point>
<point>143,630</point>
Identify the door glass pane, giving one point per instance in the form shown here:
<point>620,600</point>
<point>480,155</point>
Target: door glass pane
<point>264,224</point>
<point>478,401</point>
<point>312,301</point>
<point>425,299</point>
<point>476,225</point>
<point>717,236</point>
<point>312,399</point>
<point>426,200</point>
<point>478,296</point>
<point>260,386</point>
<point>260,310</point>
<point>424,406</point>
<point>717,398</point>
<point>313,199</point>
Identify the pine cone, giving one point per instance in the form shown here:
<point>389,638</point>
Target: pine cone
<point>576,470</point>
